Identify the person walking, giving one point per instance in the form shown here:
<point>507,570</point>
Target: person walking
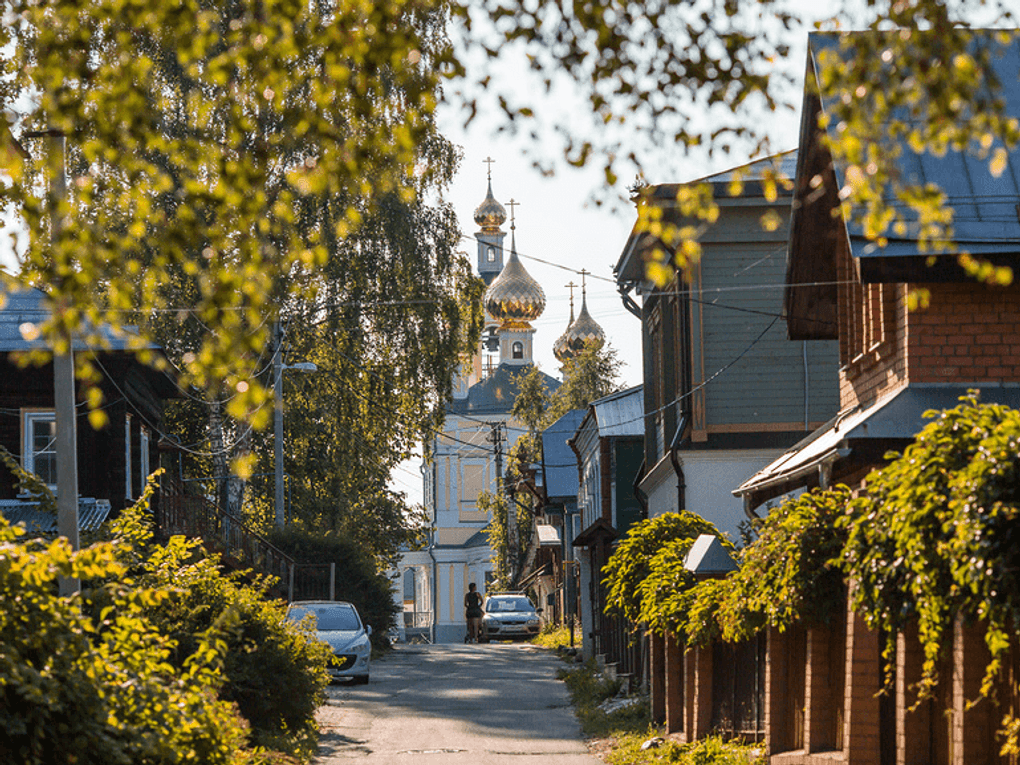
<point>473,613</point>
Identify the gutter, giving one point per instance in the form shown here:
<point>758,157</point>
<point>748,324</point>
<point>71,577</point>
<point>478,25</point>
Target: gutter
<point>822,466</point>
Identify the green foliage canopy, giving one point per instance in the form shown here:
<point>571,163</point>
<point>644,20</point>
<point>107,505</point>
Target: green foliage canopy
<point>935,538</point>
<point>648,564</point>
<point>89,679</point>
<point>788,574</point>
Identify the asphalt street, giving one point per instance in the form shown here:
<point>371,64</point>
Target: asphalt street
<point>497,704</point>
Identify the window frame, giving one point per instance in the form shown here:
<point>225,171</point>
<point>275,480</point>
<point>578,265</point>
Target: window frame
<point>29,419</point>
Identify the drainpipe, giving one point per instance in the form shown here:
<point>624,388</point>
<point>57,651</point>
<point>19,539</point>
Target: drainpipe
<point>642,498</point>
<point>432,556</point>
<point>807,384</point>
<point>674,458</point>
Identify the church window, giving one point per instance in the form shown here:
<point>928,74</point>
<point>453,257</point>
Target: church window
<point>491,255</point>
<point>518,350</point>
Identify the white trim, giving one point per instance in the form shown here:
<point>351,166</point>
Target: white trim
<point>29,419</point>
<point>143,455</point>
<point>128,482</point>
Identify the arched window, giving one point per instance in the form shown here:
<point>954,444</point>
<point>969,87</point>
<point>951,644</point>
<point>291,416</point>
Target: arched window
<point>518,350</point>
<point>491,255</point>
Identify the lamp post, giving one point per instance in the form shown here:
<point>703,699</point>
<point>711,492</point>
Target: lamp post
<point>278,367</point>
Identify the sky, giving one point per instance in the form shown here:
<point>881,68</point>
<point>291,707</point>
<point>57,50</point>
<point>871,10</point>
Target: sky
<point>559,223</point>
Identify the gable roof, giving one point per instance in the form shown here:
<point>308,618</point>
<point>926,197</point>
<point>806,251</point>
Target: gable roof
<point>986,222</point>
<point>497,393</point>
<point>985,217</point>
<point>621,414</point>
<point>28,305</point>
<point>558,460</point>
<point>630,269</point>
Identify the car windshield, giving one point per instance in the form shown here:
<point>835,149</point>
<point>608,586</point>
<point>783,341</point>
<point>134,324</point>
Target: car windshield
<point>327,617</point>
<point>496,605</point>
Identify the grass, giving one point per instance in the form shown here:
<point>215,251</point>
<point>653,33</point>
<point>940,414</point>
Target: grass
<point>623,731</point>
<point>589,688</point>
<point>626,750</point>
<point>555,636</point>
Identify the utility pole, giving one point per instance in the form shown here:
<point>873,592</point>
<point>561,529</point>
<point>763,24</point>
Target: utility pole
<point>496,439</point>
<point>66,425</point>
<point>278,420</point>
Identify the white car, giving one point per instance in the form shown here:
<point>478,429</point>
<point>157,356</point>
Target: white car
<point>338,624</point>
<point>509,616</point>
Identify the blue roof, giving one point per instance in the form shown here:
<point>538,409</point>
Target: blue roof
<point>91,514</point>
<point>558,459</point>
<point>621,413</point>
<point>28,305</point>
<point>497,393</point>
<point>985,220</point>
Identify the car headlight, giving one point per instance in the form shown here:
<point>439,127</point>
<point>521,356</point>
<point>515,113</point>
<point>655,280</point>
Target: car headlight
<point>362,648</point>
<point>533,621</point>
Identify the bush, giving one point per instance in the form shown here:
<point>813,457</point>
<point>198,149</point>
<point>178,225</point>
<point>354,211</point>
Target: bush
<point>88,679</point>
<point>273,673</point>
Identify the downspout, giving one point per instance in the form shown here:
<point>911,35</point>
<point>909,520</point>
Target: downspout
<point>432,555</point>
<point>642,498</point>
<point>674,458</point>
<point>807,385</point>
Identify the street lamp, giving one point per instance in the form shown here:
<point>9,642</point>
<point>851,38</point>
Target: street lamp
<point>278,367</point>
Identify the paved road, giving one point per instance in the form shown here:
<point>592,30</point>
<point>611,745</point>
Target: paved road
<point>497,704</point>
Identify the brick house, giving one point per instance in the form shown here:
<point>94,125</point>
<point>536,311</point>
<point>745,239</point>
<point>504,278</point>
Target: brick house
<point>822,684</point>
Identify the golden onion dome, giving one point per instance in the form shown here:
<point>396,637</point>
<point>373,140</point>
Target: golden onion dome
<point>561,348</point>
<point>582,332</point>
<point>514,298</point>
<point>490,214</point>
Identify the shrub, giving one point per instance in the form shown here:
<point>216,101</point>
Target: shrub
<point>89,679</point>
<point>643,574</point>
<point>273,673</point>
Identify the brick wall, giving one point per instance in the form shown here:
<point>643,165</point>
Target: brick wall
<point>970,333</point>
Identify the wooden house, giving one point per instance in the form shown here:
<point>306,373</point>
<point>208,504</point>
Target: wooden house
<point>114,461</point>
<point>725,391</point>
<point>608,444</point>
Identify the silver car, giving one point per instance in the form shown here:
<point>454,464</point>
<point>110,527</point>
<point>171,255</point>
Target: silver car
<point>509,616</point>
<point>338,624</point>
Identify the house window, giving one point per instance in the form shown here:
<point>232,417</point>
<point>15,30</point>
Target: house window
<point>518,350</point>
<point>39,449</point>
<point>128,483</point>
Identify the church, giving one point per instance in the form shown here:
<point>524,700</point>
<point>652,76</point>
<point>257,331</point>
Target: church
<point>466,456</point>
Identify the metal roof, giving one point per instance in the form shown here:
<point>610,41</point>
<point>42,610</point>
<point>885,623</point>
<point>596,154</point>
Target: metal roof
<point>707,556</point>
<point>898,416</point>
<point>497,393</point>
<point>985,218</point>
<point>91,514</point>
<point>28,305</point>
<point>630,267</point>
<point>621,414</point>
<point>559,461</point>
